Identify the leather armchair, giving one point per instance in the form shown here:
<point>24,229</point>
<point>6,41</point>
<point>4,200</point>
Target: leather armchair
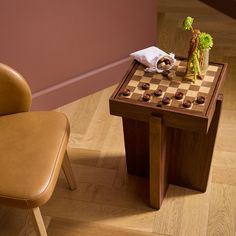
<point>32,146</point>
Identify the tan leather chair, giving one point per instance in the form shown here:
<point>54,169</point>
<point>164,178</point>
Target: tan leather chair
<point>32,148</point>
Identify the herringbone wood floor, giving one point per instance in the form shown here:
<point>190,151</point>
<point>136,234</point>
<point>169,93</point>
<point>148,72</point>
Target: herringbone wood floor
<point>108,201</point>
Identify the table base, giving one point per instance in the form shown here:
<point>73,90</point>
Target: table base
<point>168,155</point>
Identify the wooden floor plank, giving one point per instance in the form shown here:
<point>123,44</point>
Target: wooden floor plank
<point>222,213</point>
<point>136,219</point>
<point>64,227</point>
<point>83,156</point>
<point>113,146</point>
<point>195,213</point>
<point>224,175</point>
<point>168,219</point>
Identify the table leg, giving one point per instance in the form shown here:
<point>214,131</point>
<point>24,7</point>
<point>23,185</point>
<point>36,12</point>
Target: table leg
<point>186,162</point>
<point>191,154</point>
<point>136,136</point>
<point>158,161</point>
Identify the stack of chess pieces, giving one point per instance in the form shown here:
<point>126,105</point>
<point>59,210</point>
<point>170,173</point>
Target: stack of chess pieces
<point>165,64</point>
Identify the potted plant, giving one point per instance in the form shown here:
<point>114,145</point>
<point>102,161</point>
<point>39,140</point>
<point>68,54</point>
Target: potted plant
<point>198,54</point>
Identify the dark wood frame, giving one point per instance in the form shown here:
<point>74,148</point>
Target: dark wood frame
<point>227,7</point>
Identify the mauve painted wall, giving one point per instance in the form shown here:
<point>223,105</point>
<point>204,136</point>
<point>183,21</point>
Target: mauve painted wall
<point>51,41</point>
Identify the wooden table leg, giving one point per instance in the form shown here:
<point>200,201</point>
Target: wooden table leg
<point>158,162</point>
<point>191,154</point>
<point>136,135</point>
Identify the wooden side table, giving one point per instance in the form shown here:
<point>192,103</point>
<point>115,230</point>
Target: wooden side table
<point>169,143</point>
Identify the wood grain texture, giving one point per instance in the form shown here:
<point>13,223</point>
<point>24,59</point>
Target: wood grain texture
<point>158,176</point>
<point>66,166</point>
<point>222,212</point>
<point>60,226</point>
<point>136,136</point>
<point>38,223</point>
<point>192,154</point>
<point>226,7</point>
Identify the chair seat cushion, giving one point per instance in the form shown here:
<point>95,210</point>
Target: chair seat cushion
<point>32,147</point>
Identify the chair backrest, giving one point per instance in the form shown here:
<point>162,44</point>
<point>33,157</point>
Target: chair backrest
<point>15,93</point>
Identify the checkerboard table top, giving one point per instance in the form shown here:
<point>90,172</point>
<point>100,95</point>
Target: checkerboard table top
<point>169,88</point>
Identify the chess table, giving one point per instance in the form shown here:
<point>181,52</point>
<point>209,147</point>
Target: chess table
<point>169,143</point>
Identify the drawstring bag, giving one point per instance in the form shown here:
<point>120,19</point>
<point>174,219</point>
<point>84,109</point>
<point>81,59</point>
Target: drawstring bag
<point>155,59</point>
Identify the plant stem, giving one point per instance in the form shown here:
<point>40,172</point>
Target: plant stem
<point>192,29</point>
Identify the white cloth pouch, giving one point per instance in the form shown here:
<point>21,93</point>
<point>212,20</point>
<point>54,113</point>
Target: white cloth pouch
<point>150,57</point>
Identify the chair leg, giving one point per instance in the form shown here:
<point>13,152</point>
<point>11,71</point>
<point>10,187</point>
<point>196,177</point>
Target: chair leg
<point>66,166</point>
<point>38,222</point>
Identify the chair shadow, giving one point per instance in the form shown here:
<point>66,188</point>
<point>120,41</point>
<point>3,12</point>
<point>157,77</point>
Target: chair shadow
<point>105,195</point>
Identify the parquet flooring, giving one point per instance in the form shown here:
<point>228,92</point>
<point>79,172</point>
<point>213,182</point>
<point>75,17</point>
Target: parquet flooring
<point>110,202</point>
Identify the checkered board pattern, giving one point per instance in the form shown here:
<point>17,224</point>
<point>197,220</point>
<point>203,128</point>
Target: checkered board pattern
<point>169,87</point>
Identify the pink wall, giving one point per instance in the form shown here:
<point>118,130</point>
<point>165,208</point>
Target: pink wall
<point>53,42</point>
